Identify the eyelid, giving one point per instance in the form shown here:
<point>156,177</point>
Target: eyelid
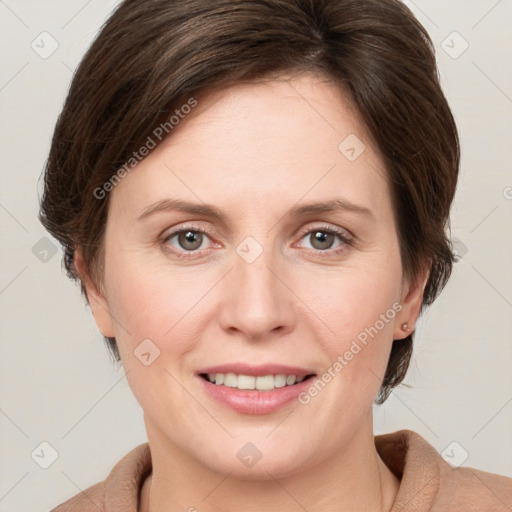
<point>170,232</point>
<point>304,231</point>
<point>343,232</point>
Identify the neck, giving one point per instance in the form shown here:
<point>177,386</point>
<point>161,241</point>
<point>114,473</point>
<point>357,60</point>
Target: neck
<point>354,478</point>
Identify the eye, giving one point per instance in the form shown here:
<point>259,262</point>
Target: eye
<point>322,238</point>
<point>190,240</point>
<point>187,240</point>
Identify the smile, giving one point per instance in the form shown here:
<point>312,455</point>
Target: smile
<point>252,382</point>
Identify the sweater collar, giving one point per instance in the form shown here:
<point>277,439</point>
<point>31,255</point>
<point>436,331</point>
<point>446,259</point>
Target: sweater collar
<point>414,461</point>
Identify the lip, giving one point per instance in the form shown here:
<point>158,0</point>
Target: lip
<point>253,401</point>
<point>257,370</point>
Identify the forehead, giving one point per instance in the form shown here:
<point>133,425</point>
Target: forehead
<point>282,139</point>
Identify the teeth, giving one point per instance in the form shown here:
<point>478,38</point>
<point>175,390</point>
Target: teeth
<point>261,383</point>
<point>265,383</point>
<point>230,380</point>
<point>280,380</point>
<point>246,382</point>
<point>290,380</point>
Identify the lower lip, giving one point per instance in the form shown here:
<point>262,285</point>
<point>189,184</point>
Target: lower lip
<point>253,401</point>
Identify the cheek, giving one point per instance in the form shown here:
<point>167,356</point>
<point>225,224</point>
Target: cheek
<point>153,303</point>
<point>351,300</point>
<point>360,311</point>
<point>152,307</point>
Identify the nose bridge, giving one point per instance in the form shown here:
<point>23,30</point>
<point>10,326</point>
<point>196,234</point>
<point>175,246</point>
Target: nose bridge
<point>257,301</point>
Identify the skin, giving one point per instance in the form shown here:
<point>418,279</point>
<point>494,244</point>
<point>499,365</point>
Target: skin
<point>255,151</point>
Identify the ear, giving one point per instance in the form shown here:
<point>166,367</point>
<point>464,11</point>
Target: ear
<point>97,301</point>
<point>411,300</point>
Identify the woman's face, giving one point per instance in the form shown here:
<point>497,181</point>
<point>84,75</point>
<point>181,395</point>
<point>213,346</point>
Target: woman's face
<point>263,289</point>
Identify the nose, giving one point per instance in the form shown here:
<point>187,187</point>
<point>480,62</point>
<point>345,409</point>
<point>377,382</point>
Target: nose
<point>257,302</point>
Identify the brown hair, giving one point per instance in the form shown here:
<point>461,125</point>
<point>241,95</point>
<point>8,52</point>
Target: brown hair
<point>151,56</point>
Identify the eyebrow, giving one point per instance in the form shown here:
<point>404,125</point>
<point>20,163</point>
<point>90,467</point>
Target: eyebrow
<point>210,211</point>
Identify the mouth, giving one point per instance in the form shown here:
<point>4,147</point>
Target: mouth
<point>250,389</point>
<point>255,382</point>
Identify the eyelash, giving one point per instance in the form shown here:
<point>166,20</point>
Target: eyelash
<point>347,240</point>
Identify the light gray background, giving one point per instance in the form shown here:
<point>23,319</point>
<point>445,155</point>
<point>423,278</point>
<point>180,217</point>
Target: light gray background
<point>57,384</point>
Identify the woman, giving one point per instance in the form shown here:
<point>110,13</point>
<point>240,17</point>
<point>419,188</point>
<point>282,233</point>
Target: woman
<point>254,197</point>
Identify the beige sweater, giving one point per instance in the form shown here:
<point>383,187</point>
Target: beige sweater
<point>428,483</point>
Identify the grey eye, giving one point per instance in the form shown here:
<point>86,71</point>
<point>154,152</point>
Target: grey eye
<point>189,240</point>
<point>324,239</point>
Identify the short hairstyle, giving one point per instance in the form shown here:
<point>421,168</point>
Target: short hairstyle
<point>151,56</point>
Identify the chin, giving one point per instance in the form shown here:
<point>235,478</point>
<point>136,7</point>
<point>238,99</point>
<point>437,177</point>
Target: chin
<point>256,456</point>
<point>274,465</point>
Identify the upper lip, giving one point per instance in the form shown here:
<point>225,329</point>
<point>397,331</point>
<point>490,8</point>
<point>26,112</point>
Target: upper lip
<point>257,370</point>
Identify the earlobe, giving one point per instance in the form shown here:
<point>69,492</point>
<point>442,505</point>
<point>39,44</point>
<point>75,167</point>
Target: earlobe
<point>97,301</point>
<point>405,327</point>
<point>411,306</point>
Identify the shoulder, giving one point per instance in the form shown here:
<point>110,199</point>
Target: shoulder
<point>474,489</point>
<point>119,491</point>
<point>429,483</point>
<point>92,499</point>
